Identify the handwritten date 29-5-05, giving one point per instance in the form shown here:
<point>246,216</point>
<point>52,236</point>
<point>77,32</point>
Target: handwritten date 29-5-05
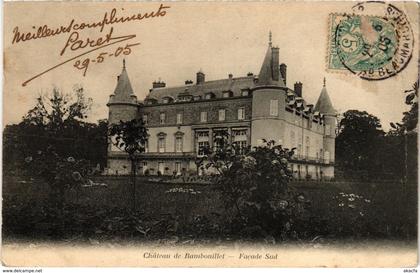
<point>100,58</point>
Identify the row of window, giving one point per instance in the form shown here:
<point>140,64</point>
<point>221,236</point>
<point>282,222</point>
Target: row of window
<point>162,168</point>
<point>187,97</point>
<point>203,116</point>
<point>203,140</point>
<point>178,144</point>
<point>274,111</point>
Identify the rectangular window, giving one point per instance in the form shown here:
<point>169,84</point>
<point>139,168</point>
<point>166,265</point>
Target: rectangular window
<point>327,130</point>
<point>179,118</point>
<point>299,150</point>
<point>292,139</point>
<point>178,168</point>
<point>145,120</point>
<point>178,144</point>
<point>327,157</point>
<point>146,146</point>
<point>201,146</point>
<point>144,167</point>
<point>161,168</point>
<point>161,145</point>
<point>241,145</point>
<point>203,117</point>
<point>162,118</point>
<point>241,113</point>
<point>245,93</point>
<point>274,107</point>
<point>308,144</point>
<point>222,114</point>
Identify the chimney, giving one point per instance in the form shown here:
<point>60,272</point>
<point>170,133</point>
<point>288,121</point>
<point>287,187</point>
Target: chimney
<point>200,77</point>
<point>275,63</point>
<point>159,84</point>
<point>188,82</point>
<point>283,72</point>
<point>230,76</point>
<point>250,74</point>
<point>298,89</point>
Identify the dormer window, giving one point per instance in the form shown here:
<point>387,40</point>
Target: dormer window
<point>209,96</point>
<point>167,100</point>
<point>162,118</point>
<point>185,96</point>
<point>150,101</point>
<point>227,94</point>
<point>222,115</point>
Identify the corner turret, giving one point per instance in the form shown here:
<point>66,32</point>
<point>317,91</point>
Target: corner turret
<point>269,98</point>
<point>325,107</point>
<point>123,104</point>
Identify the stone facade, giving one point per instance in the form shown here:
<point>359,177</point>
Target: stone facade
<point>182,119</point>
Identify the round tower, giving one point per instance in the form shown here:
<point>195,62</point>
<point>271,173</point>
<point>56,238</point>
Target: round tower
<point>122,106</point>
<point>122,103</point>
<point>268,100</point>
<point>325,108</point>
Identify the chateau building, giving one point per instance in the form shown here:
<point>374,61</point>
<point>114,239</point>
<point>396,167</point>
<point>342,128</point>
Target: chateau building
<point>184,118</point>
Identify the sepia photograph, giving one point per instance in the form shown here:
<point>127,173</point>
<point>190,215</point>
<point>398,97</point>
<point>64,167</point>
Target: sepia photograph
<point>210,134</point>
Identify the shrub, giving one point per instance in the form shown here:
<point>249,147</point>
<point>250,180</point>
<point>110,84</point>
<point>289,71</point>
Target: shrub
<point>254,184</point>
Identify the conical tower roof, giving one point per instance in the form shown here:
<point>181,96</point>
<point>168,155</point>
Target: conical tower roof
<point>123,91</point>
<point>324,105</point>
<point>269,72</point>
<point>265,77</point>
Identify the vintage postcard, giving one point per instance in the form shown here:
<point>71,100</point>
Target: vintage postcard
<point>210,134</point>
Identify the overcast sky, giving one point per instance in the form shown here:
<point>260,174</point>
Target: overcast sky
<point>218,38</point>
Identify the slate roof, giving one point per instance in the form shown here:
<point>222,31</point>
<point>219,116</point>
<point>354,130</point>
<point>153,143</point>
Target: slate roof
<point>217,87</point>
<point>265,77</point>
<point>324,105</point>
<point>123,91</point>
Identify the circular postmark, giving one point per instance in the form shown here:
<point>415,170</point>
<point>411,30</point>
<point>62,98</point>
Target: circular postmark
<point>374,47</point>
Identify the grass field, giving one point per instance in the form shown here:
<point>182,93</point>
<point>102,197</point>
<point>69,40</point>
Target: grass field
<point>340,210</point>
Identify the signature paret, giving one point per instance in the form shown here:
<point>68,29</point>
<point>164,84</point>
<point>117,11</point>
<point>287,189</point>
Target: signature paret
<point>74,42</point>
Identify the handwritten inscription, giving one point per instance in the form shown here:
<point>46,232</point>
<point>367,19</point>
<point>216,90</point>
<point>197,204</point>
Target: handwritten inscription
<point>84,64</point>
<point>76,42</point>
<point>108,19</point>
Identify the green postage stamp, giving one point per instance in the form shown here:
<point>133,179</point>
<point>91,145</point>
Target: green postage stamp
<point>373,47</point>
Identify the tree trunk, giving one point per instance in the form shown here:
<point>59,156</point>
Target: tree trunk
<point>133,180</point>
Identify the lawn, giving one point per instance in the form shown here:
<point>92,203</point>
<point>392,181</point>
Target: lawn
<point>335,210</point>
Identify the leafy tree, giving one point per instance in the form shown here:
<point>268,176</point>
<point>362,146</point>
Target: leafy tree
<point>254,182</point>
<point>57,109</point>
<point>359,138</point>
<point>130,137</point>
<point>404,138</point>
<point>410,118</point>
<point>56,120</point>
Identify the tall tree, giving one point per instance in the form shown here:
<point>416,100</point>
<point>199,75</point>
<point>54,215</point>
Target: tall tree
<point>404,137</point>
<point>359,136</point>
<point>55,110</point>
<point>56,120</point>
<point>410,117</point>
<point>130,137</point>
